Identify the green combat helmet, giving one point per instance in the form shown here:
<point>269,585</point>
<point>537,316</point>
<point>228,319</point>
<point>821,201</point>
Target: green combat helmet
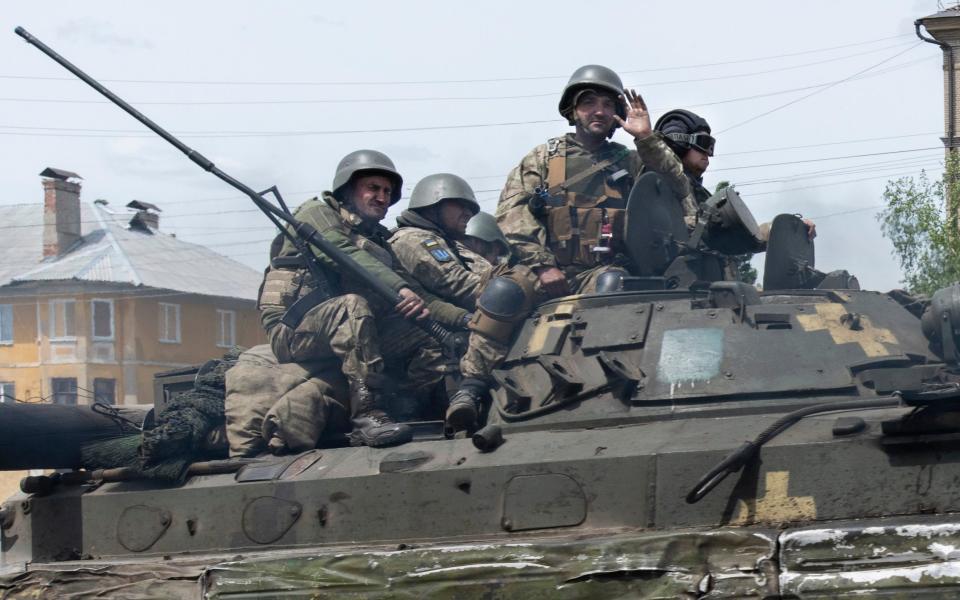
<point>590,77</point>
<point>433,189</point>
<point>367,160</point>
<point>483,226</point>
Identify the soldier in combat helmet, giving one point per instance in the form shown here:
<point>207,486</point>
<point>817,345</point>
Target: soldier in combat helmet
<point>563,206</point>
<point>500,295</point>
<point>307,320</point>
<point>483,242</point>
<point>689,137</point>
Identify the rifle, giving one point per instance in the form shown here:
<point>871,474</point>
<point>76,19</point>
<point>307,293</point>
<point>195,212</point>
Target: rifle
<point>306,235</point>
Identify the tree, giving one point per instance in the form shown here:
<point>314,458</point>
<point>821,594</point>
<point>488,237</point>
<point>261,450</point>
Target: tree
<point>920,219</point>
<point>745,271</point>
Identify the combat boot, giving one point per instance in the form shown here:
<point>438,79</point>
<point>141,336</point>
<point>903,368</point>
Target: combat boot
<point>372,426</point>
<point>464,410</point>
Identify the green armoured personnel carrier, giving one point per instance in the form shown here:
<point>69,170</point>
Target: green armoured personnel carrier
<point>675,436</point>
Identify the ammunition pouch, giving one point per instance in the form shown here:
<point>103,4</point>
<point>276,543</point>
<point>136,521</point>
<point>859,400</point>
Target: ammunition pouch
<point>289,286</point>
<point>574,230</point>
<point>574,220</point>
<point>504,302</point>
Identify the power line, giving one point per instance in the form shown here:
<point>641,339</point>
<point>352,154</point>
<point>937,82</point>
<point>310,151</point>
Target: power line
<point>811,160</point>
<point>464,98</point>
<point>835,183</point>
<point>823,89</point>
<point>136,133</point>
<point>457,81</point>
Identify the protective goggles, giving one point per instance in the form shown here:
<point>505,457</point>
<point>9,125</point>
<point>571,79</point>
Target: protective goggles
<point>704,142</point>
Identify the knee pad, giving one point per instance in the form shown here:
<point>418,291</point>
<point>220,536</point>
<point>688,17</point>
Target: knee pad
<point>610,281</point>
<point>502,304</point>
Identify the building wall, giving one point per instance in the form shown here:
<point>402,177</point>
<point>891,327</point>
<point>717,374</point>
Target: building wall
<point>133,355</point>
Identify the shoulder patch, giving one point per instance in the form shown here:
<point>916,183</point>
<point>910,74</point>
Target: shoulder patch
<point>436,250</point>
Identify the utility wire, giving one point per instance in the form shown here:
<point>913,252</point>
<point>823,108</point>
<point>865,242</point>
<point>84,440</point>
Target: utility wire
<point>812,160</point>
<point>460,98</point>
<point>457,81</point>
<point>823,89</point>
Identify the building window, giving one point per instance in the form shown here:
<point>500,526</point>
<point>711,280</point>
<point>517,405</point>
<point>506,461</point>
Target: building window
<point>101,312</point>
<point>62,317</point>
<point>6,323</point>
<point>104,390</point>
<point>64,390</point>
<point>8,392</point>
<point>226,328</point>
<point>169,323</point>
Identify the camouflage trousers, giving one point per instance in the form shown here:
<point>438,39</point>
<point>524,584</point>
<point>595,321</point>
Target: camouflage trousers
<point>345,328</point>
<point>484,353</point>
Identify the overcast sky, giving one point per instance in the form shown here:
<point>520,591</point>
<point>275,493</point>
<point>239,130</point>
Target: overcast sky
<point>276,93</point>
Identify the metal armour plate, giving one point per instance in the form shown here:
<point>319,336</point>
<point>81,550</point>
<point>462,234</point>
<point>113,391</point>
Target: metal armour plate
<point>543,501</point>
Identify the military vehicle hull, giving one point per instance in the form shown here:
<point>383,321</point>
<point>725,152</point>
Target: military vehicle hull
<point>612,408</point>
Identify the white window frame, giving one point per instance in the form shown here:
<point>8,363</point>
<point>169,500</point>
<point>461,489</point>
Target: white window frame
<point>93,320</point>
<point>60,304</point>
<point>113,389</point>
<point>231,319</point>
<point>12,396</point>
<point>6,313</point>
<point>162,311</point>
<point>76,391</point>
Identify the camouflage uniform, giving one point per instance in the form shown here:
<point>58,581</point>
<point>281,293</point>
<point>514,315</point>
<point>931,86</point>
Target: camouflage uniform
<point>473,261</point>
<point>658,157</point>
<point>354,325</point>
<point>553,239</point>
<point>693,193</point>
<point>457,275</point>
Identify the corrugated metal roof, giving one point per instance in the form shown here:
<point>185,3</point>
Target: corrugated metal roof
<point>111,252</point>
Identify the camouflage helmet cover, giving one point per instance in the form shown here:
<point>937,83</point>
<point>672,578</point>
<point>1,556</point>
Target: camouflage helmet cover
<point>433,189</point>
<point>595,77</point>
<point>363,161</point>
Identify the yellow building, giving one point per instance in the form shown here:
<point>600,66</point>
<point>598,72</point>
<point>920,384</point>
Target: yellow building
<point>101,300</point>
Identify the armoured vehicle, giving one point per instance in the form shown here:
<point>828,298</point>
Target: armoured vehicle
<point>674,437</point>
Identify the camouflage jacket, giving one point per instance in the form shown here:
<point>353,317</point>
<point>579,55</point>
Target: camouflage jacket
<point>474,261</point>
<point>528,233</point>
<point>367,245</point>
<point>659,158</point>
<point>435,261</point>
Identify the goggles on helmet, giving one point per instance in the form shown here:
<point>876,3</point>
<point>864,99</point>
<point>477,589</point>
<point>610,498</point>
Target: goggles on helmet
<point>704,142</point>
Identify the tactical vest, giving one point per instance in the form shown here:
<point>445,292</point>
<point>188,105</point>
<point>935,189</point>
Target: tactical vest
<point>288,284</point>
<point>574,227</point>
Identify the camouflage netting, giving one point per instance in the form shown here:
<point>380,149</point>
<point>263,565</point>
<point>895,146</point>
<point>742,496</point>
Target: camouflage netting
<point>181,433</point>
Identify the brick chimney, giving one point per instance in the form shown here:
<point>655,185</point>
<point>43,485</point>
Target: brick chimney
<point>61,211</point>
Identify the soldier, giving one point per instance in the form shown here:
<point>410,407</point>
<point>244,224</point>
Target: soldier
<point>339,317</point>
<point>484,240</point>
<point>562,207</point>
<point>500,295</point>
<point>688,136</point>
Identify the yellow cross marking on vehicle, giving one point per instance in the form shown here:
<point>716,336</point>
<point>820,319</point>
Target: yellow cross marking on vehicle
<point>776,505</point>
<point>558,319</point>
<point>870,338</point>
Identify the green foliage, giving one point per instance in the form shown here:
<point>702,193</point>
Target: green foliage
<point>920,219</point>
<point>745,271</point>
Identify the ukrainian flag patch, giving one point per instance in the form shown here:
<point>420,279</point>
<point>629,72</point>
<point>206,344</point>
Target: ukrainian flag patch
<point>437,251</point>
